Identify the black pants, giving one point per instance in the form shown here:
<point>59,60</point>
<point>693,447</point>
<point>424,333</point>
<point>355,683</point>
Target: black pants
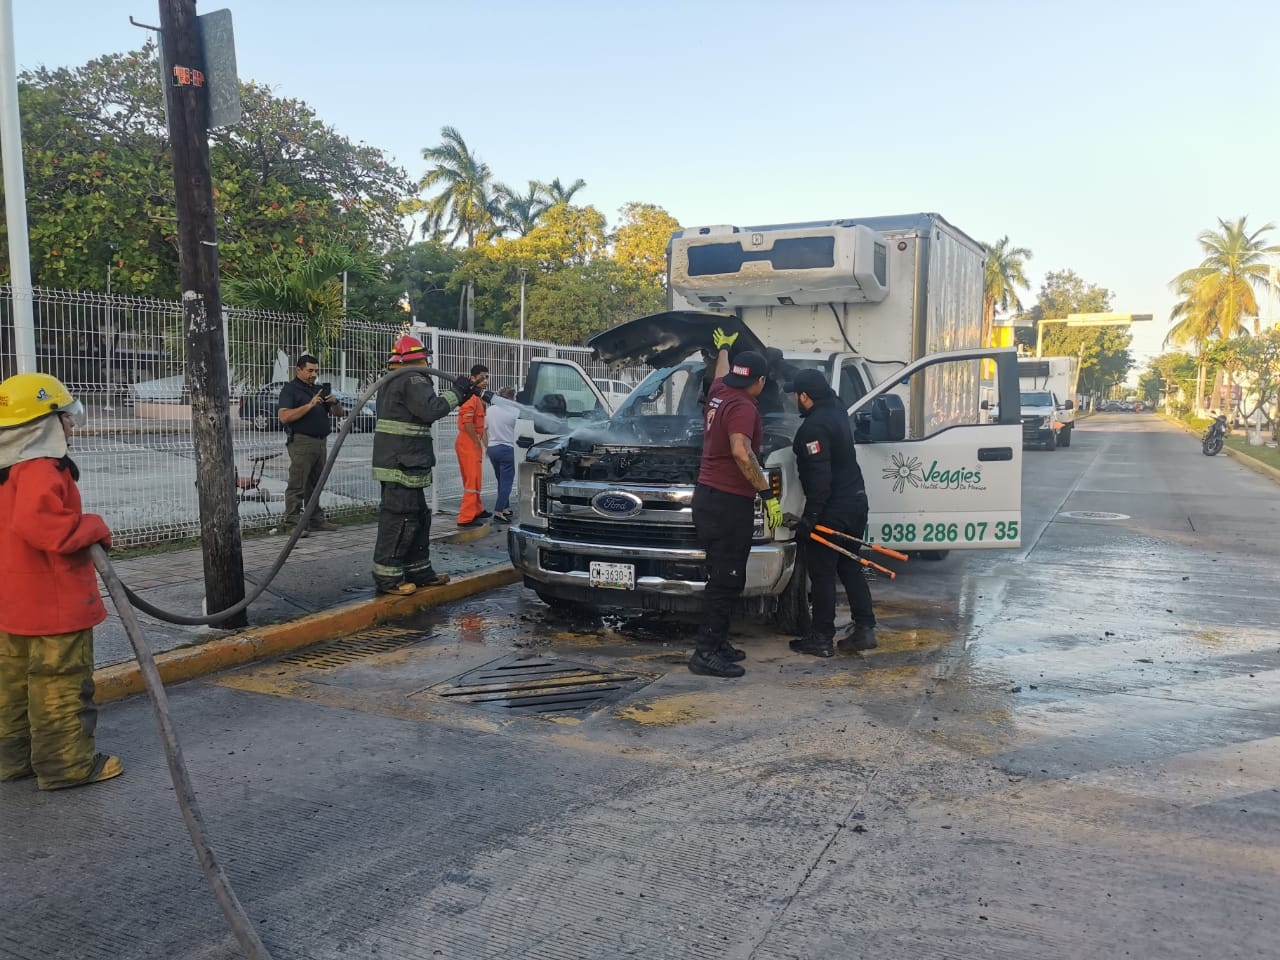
<point>403,549</point>
<point>825,565</point>
<point>724,522</point>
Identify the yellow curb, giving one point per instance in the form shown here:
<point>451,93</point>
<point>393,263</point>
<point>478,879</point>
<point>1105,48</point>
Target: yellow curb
<point>186,663</point>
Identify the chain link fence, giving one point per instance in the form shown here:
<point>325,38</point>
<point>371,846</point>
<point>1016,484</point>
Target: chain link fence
<point>125,359</point>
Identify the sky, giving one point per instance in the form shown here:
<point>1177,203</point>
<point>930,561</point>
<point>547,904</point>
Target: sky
<point>1103,136</point>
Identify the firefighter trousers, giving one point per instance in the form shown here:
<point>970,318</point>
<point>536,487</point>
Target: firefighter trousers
<point>47,714</point>
<point>402,552</point>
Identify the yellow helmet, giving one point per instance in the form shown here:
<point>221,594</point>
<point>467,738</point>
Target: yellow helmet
<point>26,397</point>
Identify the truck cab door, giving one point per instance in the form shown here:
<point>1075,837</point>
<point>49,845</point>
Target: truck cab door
<point>558,397</point>
<point>957,485</point>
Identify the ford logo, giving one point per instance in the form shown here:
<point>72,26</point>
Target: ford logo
<point>616,504</point>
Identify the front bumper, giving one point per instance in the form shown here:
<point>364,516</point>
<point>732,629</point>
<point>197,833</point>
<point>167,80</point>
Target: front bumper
<point>564,567</point>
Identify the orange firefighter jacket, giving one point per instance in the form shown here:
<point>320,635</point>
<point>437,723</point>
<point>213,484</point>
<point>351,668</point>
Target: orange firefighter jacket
<point>47,581</point>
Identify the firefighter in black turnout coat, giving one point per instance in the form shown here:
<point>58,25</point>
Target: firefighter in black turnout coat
<point>836,497</point>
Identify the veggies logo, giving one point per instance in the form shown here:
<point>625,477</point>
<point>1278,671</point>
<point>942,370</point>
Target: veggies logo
<point>904,470</point>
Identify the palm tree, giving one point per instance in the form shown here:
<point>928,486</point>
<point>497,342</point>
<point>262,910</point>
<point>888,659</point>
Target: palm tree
<point>1216,296</point>
<point>520,212</point>
<point>1002,276</point>
<point>466,205</point>
<point>312,289</point>
<point>1219,294</point>
<point>557,193</point>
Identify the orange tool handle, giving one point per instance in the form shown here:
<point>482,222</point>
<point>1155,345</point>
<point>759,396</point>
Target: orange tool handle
<point>853,556</point>
<point>862,543</point>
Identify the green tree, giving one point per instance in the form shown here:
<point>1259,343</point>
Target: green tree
<point>466,204</point>
<point>557,193</point>
<point>1256,360</point>
<point>419,282</point>
<point>640,241</point>
<point>1003,274</point>
<point>1218,296</point>
<point>311,289</point>
<point>1103,351</point>
<point>519,213</point>
<point>100,179</point>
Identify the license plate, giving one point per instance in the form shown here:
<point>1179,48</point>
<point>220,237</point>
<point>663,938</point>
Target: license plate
<point>613,576</point>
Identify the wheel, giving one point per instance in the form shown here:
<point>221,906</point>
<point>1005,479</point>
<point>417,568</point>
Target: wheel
<point>792,615</point>
<point>1212,447</point>
<point>261,421</point>
<point>1064,438</point>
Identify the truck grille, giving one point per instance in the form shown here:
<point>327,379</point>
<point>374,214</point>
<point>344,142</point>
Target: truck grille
<point>622,533</point>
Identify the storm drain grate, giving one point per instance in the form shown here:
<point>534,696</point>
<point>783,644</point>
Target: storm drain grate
<point>358,646</point>
<point>527,683</point>
<point>1093,515</point>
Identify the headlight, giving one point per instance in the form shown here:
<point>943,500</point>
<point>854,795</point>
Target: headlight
<point>1047,422</point>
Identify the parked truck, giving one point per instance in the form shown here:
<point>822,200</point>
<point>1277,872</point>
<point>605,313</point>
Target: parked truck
<point>1047,394</point>
<point>888,308</point>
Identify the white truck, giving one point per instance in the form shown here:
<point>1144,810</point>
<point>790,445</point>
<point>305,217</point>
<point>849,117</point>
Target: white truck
<point>1047,396</point>
<point>889,308</point>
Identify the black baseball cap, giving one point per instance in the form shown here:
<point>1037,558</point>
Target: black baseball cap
<point>810,381</point>
<point>745,369</point>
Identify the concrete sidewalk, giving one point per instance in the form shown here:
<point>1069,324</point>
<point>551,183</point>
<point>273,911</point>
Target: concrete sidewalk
<point>324,590</point>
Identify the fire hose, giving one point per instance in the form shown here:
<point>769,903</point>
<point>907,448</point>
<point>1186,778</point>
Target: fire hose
<point>126,601</point>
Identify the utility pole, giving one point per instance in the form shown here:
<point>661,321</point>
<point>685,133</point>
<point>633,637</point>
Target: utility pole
<point>15,191</point>
<point>186,95</point>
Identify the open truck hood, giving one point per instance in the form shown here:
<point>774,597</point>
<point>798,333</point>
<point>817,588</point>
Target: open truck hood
<point>664,339</point>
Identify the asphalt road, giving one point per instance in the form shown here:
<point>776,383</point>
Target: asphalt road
<point>1064,751</point>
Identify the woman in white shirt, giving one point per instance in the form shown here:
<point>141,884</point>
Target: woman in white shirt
<point>500,422</point>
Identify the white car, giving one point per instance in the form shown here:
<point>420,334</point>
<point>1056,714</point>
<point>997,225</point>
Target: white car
<point>615,391</point>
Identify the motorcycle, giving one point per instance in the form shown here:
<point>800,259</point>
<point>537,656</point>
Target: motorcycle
<point>1215,436</point>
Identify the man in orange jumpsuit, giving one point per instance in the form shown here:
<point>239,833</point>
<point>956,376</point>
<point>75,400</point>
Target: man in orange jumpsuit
<point>49,601</point>
<point>470,448</point>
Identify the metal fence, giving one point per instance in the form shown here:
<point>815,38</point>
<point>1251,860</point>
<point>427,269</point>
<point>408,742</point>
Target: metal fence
<point>125,358</point>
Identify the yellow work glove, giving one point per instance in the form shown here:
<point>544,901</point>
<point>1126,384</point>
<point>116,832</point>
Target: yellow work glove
<point>772,512</point>
<point>722,340</point>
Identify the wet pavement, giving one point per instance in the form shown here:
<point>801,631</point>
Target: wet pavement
<point>1068,750</point>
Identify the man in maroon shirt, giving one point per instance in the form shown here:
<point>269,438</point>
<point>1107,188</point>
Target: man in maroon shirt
<point>724,501</point>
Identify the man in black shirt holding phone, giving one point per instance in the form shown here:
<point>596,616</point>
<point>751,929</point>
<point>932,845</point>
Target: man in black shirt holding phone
<point>304,411</point>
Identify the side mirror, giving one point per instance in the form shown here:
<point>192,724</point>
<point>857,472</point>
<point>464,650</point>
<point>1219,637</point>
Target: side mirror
<point>984,405</point>
<point>1069,405</point>
<point>885,422</point>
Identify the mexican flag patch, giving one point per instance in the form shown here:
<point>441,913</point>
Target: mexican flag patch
<point>814,448</point>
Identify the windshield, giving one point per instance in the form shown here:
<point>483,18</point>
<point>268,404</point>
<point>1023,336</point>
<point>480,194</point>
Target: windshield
<point>679,391</point>
<point>1038,398</point>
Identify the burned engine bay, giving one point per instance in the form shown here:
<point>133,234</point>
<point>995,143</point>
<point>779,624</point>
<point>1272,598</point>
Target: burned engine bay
<point>642,449</point>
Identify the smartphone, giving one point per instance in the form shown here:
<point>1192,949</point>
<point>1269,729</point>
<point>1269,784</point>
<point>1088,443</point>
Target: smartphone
<point>325,390</point>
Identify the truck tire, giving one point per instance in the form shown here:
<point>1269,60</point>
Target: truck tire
<point>791,615</point>
<point>1064,438</point>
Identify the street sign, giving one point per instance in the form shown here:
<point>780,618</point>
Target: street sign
<point>219,45</point>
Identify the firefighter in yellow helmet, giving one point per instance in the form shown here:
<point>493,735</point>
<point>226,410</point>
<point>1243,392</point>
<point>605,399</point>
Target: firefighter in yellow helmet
<point>49,599</point>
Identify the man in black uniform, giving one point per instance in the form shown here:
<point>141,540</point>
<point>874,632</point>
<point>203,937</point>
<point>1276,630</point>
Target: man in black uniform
<point>835,497</point>
<point>304,412</point>
<point>403,455</point>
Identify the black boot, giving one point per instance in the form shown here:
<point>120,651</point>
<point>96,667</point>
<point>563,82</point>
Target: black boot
<point>813,646</point>
<point>714,664</point>
<point>731,653</point>
<point>857,638</point>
